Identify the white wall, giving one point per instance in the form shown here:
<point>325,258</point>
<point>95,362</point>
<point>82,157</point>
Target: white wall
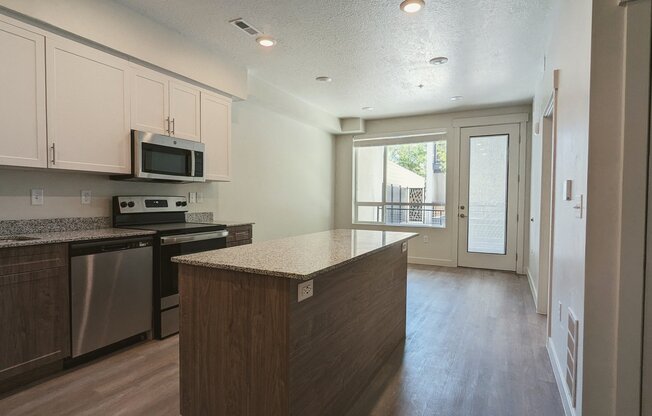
<point>282,180</point>
<point>569,51</point>
<point>617,168</point>
<point>597,260</point>
<point>442,246</point>
<point>283,175</point>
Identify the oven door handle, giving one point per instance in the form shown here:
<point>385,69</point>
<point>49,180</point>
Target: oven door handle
<point>188,238</point>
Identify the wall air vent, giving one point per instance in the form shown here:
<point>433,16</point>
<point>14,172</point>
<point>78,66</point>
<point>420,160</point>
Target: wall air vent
<point>242,25</point>
<point>572,342</point>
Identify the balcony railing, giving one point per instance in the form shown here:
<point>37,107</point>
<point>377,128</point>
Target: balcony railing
<point>415,214</point>
<point>406,214</point>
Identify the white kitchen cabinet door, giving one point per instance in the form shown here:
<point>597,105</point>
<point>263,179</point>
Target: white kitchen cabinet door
<point>23,141</point>
<point>88,108</point>
<point>216,136</point>
<point>184,111</point>
<point>149,101</point>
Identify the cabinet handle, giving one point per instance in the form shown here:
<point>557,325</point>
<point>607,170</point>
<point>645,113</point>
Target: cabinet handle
<point>54,149</point>
<point>167,125</point>
<point>173,125</point>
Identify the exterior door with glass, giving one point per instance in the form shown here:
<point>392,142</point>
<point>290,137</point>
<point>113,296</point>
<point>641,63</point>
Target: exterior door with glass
<point>488,203</point>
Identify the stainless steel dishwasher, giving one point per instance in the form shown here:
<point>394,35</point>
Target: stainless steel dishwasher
<point>111,291</point>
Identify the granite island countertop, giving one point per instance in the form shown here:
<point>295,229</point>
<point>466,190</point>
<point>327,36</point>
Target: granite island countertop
<point>71,236</point>
<point>301,257</point>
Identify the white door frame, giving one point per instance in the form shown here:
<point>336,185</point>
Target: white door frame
<point>545,220</point>
<point>523,120</point>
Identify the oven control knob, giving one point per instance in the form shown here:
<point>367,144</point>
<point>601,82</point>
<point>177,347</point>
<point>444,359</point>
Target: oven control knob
<point>184,203</point>
<point>131,204</point>
<point>123,204</point>
<point>179,203</point>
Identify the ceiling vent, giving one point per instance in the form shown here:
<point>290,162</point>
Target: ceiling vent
<point>242,25</point>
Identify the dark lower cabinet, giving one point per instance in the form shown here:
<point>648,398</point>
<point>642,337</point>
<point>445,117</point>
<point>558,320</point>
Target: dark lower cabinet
<point>34,310</point>
<point>239,235</point>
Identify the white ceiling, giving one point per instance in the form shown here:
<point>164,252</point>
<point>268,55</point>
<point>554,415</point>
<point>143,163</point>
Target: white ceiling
<point>376,54</point>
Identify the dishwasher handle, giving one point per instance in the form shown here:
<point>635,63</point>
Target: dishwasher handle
<point>115,247</point>
<point>107,246</point>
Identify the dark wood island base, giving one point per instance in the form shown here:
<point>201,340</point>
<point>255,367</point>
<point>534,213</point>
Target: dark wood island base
<point>248,347</point>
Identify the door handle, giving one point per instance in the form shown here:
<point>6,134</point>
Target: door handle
<point>462,215</point>
<point>167,125</point>
<point>54,154</point>
<point>173,126</point>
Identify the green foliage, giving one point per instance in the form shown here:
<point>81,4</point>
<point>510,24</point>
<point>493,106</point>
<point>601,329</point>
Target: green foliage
<point>410,156</point>
<point>414,157</point>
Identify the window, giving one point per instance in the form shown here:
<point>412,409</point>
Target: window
<point>400,181</point>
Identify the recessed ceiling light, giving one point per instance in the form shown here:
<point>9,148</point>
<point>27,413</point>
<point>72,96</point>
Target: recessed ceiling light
<point>266,41</point>
<point>440,60</point>
<point>324,79</point>
<point>412,6</point>
<point>456,98</point>
<point>368,108</point>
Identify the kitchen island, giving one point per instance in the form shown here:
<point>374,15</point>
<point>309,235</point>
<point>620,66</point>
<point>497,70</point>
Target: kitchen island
<point>249,346</point>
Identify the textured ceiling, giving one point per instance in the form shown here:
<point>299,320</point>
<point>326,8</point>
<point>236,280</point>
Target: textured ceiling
<point>376,54</point>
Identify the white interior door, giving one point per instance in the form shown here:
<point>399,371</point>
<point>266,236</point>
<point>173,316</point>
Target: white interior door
<point>488,204</point>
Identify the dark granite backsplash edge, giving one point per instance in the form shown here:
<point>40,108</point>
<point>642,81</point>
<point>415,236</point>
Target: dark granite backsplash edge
<point>53,225</point>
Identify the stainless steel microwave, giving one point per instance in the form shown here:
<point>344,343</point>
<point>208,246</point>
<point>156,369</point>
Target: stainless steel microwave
<point>160,158</point>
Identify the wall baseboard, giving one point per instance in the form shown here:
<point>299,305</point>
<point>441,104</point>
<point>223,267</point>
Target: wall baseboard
<point>559,378</point>
<point>431,262</point>
<point>533,289</point>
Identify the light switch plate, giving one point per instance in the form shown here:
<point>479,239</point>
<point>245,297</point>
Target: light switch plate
<point>568,190</point>
<point>426,239</point>
<point>192,197</point>
<point>560,311</point>
<point>200,197</point>
<point>306,290</point>
<point>86,197</point>
<point>37,196</point>
<point>404,247</point>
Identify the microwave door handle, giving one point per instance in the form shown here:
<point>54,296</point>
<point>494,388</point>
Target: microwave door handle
<point>192,163</point>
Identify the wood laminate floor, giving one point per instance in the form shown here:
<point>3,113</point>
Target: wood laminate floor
<point>474,347</point>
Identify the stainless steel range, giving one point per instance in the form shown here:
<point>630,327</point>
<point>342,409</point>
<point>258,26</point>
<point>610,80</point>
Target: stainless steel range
<point>166,215</point>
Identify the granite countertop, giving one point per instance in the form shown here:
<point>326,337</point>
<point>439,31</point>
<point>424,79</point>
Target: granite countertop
<point>233,223</point>
<point>301,257</point>
<point>72,236</point>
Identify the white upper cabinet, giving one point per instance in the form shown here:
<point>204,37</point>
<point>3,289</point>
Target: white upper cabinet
<point>160,104</point>
<point>66,105</point>
<point>184,111</point>
<point>149,101</point>
<point>216,136</point>
<point>88,99</point>
<point>22,97</point>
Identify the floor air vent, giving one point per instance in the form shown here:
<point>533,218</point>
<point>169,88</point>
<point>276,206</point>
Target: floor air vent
<point>242,25</point>
<point>571,355</point>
